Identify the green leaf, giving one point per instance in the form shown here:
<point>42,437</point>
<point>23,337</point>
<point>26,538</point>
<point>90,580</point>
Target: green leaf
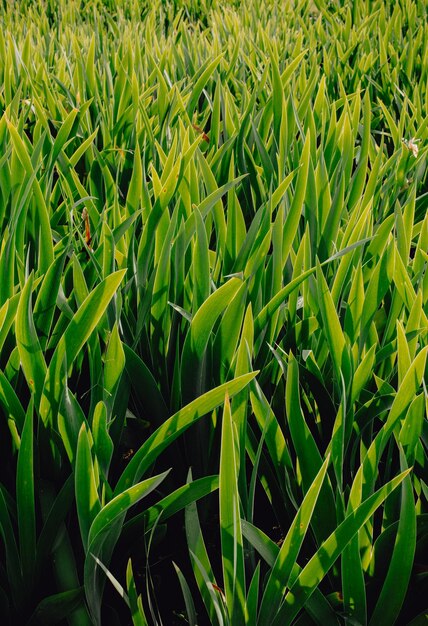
<point>62,135</point>
<point>102,441</point>
<point>133,197</point>
<point>55,608</point>
<point>207,204</point>
<point>253,599</point>
<point>12,408</point>
<point>205,74</point>
<point>77,333</point>
<point>333,330</point>
<point>378,286</point>
<point>293,217</point>
<point>201,264</point>
<point>142,378</point>
<point>317,605</point>
<point>25,500</point>
<point>7,317</point>
<point>46,250</point>
<point>280,574</point>
<point>201,564</point>
<point>30,352</point>
<point>408,389</point>
<point>187,594</point>
<point>103,535</point>
<point>70,420</point>
<point>175,426</point>
<point>227,337</point>
<point>192,362</point>
<point>116,584</point>
<point>44,308</point>
<point>363,373</point>
<point>171,504</point>
<point>412,427</point>
<point>353,583</point>
<point>230,523</point>
<point>137,611</point>
<point>121,503</point>
<point>397,580</point>
<point>87,499</point>
<point>277,300</point>
<point>359,178</point>
<point>309,457</point>
<point>319,565</point>
<point>114,364</point>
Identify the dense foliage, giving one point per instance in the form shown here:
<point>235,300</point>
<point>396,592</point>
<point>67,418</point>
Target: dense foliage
<point>213,312</point>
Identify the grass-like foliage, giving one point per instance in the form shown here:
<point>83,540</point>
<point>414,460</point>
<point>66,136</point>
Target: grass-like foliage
<point>213,312</point>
